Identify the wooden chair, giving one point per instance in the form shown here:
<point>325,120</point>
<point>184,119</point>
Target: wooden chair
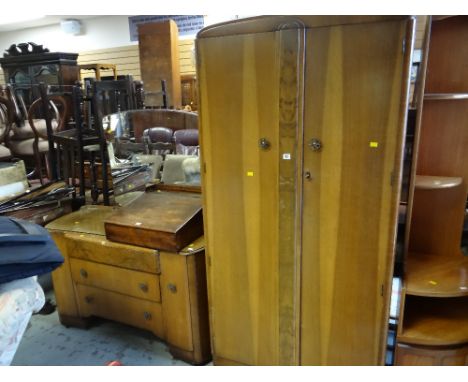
<point>139,93</point>
<point>27,139</point>
<point>106,97</point>
<point>43,144</point>
<point>6,118</point>
<point>159,140</point>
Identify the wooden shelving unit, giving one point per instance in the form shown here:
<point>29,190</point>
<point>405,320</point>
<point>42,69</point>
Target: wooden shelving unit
<point>433,326</point>
<point>435,276</point>
<point>435,322</point>
<point>425,182</point>
<point>445,96</point>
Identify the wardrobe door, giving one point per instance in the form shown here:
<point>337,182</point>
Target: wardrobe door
<point>239,106</point>
<point>356,88</point>
<point>249,116</point>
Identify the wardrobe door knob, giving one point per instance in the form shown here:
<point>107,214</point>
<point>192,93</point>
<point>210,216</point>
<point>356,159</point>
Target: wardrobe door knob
<point>83,273</point>
<point>143,287</point>
<point>264,143</point>
<point>315,144</point>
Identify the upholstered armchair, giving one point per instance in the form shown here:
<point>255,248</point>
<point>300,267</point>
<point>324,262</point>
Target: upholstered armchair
<point>159,140</point>
<point>186,142</point>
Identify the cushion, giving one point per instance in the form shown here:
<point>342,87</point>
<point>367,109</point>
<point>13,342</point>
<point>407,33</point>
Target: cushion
<point>173,170</point>
<point>154,161</point>
<point>191,167</point>
<point>25,147</point>
<point>158,134</point>
<point>25,132</point>
<point>186,137</point>
<point>4,152</point>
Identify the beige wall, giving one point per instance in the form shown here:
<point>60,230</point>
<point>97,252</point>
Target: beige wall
<point>128,61</point>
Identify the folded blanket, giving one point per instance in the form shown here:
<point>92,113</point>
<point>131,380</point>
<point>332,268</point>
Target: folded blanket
<point>19,299</point>
<point>26,249</point>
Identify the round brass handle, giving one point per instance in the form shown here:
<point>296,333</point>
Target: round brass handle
<point>83,273</point>
<point>147,316</point>
<point>172,288</point>
<point>89,299</point>
<point>143,287</point>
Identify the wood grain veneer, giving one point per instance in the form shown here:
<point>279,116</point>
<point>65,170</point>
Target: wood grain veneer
<point>300,243</point>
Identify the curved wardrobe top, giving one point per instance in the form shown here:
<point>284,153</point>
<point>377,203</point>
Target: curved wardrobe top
<point>273,23</point>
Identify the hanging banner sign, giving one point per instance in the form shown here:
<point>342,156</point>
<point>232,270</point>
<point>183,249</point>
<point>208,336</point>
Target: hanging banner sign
<point>188,25</point>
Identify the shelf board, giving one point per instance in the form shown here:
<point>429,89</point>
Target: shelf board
<point>445,96</point>
<point>435,321</point>
<point>436,276</point>
<point>425,182</point>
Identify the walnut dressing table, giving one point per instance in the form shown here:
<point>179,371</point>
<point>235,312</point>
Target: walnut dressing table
<point>160,291</point>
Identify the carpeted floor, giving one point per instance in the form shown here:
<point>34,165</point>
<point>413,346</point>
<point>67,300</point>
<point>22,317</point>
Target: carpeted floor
<point>47,342</point>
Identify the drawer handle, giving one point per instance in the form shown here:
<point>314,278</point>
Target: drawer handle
<point>147,316</point>
<point>83,273</point>
<point>172,288</point>
<point>143,287</point>
<point>89,299</point>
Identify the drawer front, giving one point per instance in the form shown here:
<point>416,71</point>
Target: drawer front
<point>97,248</point>
<point>132,283</point>
<point>407,355</point>
<point>176,301</point>
<point>142,314</point>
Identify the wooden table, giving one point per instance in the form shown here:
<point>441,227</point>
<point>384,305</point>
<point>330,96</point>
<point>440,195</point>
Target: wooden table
<point>97,67</point>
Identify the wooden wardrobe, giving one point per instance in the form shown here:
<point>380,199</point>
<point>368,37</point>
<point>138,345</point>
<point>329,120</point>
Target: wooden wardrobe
<point>302,127</point>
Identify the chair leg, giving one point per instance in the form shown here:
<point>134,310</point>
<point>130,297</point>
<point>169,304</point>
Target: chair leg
<point>38,161</point>
<point>47,168</point>
<point>93,178</point>
<point>38,169</point>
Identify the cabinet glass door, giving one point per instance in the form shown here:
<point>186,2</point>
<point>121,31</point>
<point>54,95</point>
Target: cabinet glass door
<point>21,77</point>
<point>46,73</point>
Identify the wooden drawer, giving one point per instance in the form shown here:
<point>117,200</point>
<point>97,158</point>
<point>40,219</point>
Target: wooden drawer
<point>143,314</point>
<point>408,355</point>
<point>132,283</point>
<point>98,249</point>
